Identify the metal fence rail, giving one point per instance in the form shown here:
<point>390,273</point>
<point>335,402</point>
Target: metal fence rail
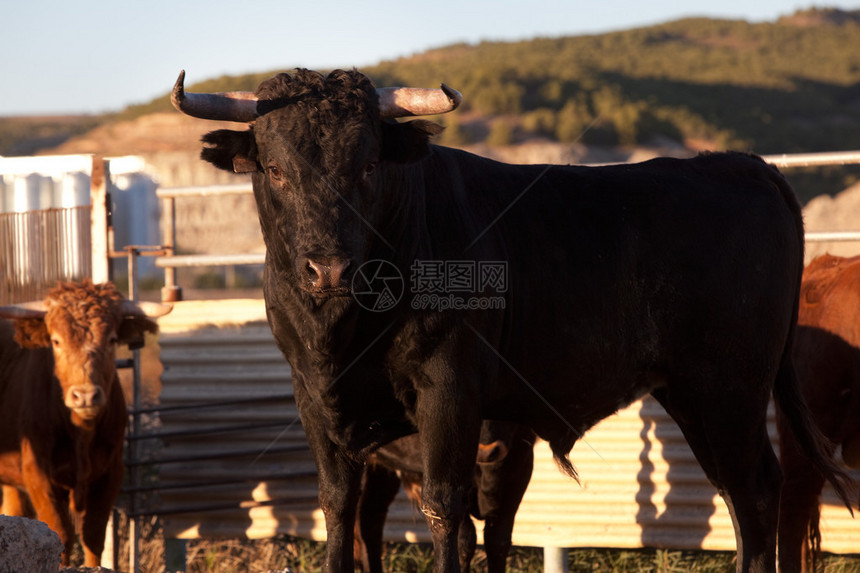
<point>169,196</point>
<point>832,236</point>
<point>786,160</point>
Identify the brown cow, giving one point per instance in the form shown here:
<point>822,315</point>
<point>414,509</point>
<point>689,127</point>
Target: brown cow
<point>827,360</point>
<point>62,411</point>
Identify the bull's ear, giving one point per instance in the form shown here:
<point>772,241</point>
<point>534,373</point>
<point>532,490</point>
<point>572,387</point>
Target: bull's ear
<point>32,333</point>
<point>408,141</point>
<point>231,150</point>
<point>132,329</point>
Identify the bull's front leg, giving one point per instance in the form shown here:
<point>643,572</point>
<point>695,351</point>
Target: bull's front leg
<point>339,488</point>
<point>48,501</point>
<point>449,427</point>
<point>100,498</point>
<point>339,485</point>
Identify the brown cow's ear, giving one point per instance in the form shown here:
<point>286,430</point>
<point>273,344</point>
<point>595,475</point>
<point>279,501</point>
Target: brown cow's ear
<point>234,151</point>
<point>408,141</point>
<point>32,333</point>
<point>132,329</point>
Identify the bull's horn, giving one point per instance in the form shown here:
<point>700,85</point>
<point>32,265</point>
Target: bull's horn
<point>400,102</point>
<point>229,106</point>
<point>149,309</point>
<point>24,310</point>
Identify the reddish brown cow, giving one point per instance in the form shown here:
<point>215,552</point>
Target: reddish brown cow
<point>62,411</point>
<point>827,359</point>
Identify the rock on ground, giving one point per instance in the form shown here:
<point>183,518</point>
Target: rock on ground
<point>28,545</point>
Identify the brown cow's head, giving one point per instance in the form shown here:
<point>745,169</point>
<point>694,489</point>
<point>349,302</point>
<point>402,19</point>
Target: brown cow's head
<point>317,148</point>
<point>83,323</point>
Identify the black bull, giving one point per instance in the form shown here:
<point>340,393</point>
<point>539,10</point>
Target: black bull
<point>677,278</point>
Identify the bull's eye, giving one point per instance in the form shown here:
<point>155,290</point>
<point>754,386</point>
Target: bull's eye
<point>369,169</point>
<point>114,339</point>
<point>275,173</point>
<point>56,342</point>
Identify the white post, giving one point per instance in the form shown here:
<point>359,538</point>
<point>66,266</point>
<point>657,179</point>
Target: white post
<point>100,220</point>
<point>555,560</point>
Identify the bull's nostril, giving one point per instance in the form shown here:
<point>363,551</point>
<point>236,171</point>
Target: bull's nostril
<point>315,270</point>
<point>82,397</point>
<point>327,272</point>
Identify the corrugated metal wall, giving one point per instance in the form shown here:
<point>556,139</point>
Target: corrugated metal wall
<point>640,483</point>
<point>241,369</point>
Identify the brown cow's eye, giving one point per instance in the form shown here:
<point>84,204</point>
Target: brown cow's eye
<point>56,342</point>
<point>369,169</point>
<point>275,172</point>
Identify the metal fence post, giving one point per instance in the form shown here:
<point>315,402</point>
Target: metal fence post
<point>555,560</point>
<point>134,522</point>
<point>175,555</point>
<point>100,220</point>
<point>171,291</point>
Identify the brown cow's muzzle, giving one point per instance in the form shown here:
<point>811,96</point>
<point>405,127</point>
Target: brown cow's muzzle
<point>85,400</point>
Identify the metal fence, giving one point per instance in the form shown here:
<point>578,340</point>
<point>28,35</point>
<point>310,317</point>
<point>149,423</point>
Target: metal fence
<point>40,248</point>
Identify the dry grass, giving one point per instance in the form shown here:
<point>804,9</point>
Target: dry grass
<point>300,555</point>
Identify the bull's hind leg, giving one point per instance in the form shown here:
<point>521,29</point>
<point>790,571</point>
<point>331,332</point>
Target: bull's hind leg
<point>379,488</point>
<point>728,436</point>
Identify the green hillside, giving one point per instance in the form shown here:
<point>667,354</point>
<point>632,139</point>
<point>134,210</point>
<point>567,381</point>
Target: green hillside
<point>788,86</point>
<point>773,87</point>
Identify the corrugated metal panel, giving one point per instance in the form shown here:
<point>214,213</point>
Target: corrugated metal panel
<point>208,357</point>
<point>640,485</point>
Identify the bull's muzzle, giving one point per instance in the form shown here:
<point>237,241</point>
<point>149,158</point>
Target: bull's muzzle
<point>326,275</point>
<point>85,400</point>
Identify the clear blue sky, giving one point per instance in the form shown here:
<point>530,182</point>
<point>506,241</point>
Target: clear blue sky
<point>91,55</point>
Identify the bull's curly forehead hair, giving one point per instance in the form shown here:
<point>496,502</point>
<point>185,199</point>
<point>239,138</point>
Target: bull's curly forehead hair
<point>344,89</point>
<point>87,304</point>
